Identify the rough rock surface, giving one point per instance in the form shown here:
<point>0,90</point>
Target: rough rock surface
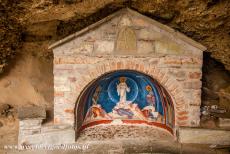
<point>206,21</point>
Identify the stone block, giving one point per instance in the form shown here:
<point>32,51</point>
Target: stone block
<point>83,48</point>
<point>64,66</point>
<point>168,47</point>
<point>109,35</point>
<point>32,112</point>
<point>24,132</point>
<point>29,123</point>
<point>67,60</point>
<point>60,101</point>
<point>72,79</point>
<point>64,136</point>
<point>71,97</point>
<point>140,22</point>
<point>193,62</point>
<point>62,87</point>
<point>194,115</point>
<point>29,127</point>
<point>192,84</point>
<point>148,34</point>
<point>153,61</point>
<point>64,118</point>
<point>178,74</point>
<point>170,62</point>
<point>195,75</point>
<point>224,123</point>
<point>193,96</point>
<point>104,47</point>
<point>145,47</point>
<point>204,136</point>
<point>58,94</point>
<point>161,47</point>
<point>60,79</point>
<point>54,127</point>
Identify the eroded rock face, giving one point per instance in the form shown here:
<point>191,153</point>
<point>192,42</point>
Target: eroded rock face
<point>206,21</point>
<point>10,28</point>
<point>6,110</point>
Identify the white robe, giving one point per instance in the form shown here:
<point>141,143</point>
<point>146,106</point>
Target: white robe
<point>122,88</point>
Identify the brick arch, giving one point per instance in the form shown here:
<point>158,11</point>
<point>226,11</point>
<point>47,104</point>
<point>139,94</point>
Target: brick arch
<point>169,83</point>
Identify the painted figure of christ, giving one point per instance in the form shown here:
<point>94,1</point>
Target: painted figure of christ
<point>122,88</point>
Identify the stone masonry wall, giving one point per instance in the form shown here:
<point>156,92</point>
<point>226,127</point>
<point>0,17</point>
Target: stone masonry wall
<point>171,61</point>
<point>182,82</point>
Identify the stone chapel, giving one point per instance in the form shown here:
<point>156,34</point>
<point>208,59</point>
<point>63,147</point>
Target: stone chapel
<point>125,76</point>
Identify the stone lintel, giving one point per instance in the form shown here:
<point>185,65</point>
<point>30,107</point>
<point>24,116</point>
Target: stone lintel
<point>204,136</point>
<point>32,112</point>
<point>224,123</point>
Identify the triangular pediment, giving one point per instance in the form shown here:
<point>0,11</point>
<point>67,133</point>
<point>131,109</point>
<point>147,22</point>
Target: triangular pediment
<point>127,32</point>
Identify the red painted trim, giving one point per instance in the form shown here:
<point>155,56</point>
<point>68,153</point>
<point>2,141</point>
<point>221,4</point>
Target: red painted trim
<point>127,122</point>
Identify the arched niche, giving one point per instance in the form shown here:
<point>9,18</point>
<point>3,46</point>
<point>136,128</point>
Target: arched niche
<point>146,103</point>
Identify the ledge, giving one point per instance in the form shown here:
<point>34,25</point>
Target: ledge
<point>33,112</point>
<point>204,136</point>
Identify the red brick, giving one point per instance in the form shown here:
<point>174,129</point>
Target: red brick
<point>191,61</point>
<point>182,113</point>
<point>182,123</point>
<point>119,65</point>
<point>182,118</point>
<point>142,67</point>
<point>56,120</point>
<point>194,75</point>
<point>137,67</point>
<point>69,110</point>
<point>173,61</point>
<point>58,94</point>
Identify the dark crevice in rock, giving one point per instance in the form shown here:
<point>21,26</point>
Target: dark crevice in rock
<point>212,3</point>
<point>6,110</point>
<point>215,78</point>
<point>163,17</point>
<point>35,38</point>
<point>215,89</point>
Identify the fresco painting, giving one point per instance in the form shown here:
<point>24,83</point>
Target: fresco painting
<point>127,97</point>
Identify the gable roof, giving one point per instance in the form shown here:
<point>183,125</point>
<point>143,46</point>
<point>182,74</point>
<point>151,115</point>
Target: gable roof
<point>167,29</point>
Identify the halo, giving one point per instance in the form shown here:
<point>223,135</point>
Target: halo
<point>148,88</point>
<point>122,79</point>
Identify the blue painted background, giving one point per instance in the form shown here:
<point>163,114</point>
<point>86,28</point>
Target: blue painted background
<point>108,96</point>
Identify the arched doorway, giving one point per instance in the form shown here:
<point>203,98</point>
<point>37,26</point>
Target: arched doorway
<point>125,97</point>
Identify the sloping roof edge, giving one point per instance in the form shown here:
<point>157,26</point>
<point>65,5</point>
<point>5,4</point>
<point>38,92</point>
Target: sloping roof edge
<point>119,12</point>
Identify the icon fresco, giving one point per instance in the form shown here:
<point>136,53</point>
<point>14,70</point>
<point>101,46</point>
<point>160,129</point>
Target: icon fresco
<point>128,97</point>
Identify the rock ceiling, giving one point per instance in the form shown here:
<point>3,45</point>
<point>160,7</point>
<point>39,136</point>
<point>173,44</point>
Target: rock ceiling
<point>35,24</point>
